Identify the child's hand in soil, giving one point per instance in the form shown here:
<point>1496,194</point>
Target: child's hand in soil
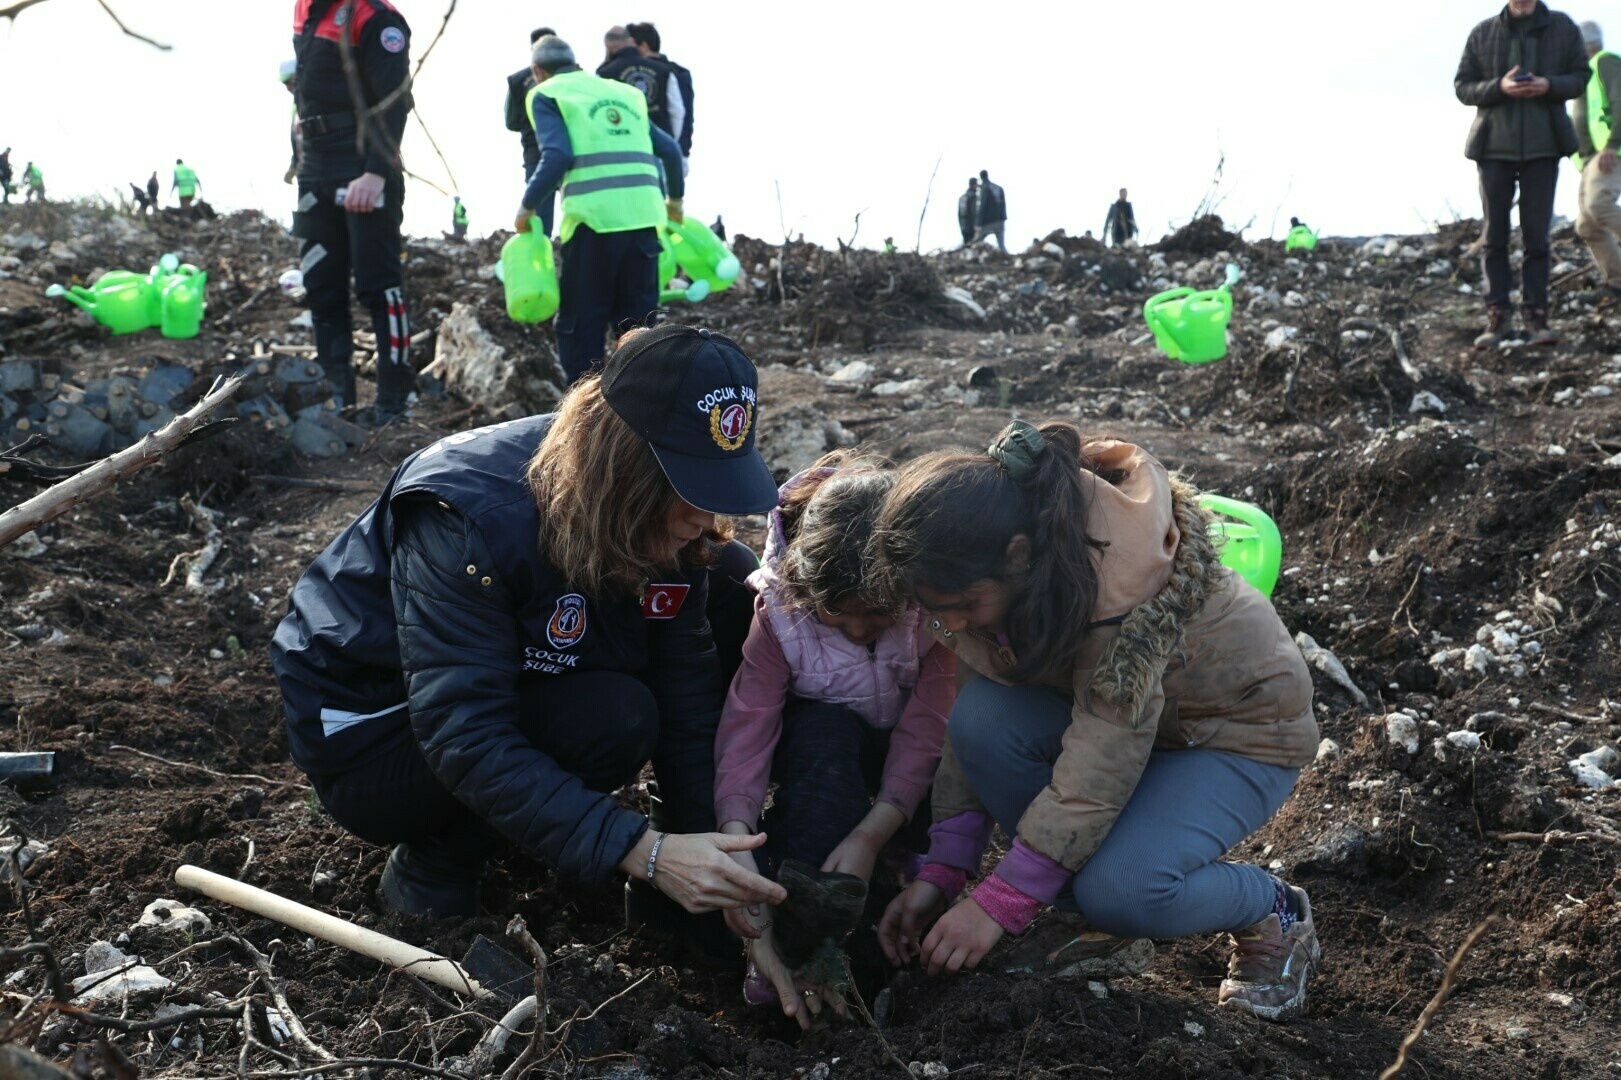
<point>856,854</point>
<point>904,920</point>
<point>960,939</point>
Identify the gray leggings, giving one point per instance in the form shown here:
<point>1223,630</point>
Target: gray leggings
<point>1159,871</point>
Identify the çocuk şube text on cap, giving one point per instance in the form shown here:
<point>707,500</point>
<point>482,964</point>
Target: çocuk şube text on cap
<point>693,396</point>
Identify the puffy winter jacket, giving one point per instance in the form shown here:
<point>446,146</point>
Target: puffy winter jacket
<point>366,659</point>
<point>905,682</point>
<point>1184,653</point>
<point>1545,43</point>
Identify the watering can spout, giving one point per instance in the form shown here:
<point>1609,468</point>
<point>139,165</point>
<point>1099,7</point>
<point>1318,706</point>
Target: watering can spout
<point>72,296</point>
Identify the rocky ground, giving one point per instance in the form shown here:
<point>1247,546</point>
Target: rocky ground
<point>1450,526</point>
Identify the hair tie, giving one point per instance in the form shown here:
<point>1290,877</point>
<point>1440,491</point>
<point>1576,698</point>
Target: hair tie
<point>1018,450</point>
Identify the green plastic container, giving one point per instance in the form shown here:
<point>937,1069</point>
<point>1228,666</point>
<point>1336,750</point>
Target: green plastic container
<point>123,306</point>
<point>700,253</point>
<point>529,275</point>
<point>1301,238</point>
<point>126,302</point>
<point>181,303</point>
<point>1250,543</point>
<point>1189,325</point>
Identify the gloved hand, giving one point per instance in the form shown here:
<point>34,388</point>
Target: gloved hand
<point>672,206</point>
<point>290,175</point>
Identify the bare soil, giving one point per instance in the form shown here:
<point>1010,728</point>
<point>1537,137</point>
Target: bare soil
<point>1408,538</point>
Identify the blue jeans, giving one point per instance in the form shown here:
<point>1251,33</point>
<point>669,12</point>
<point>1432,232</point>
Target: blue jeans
<point>1158,873</point>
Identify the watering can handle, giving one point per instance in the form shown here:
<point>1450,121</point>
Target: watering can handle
<point>1245,512</point>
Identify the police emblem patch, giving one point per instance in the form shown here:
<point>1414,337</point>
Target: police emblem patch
<point>392,39</point>
<point>729,427</point>
<point>613,117</point>
<point>568,622</point>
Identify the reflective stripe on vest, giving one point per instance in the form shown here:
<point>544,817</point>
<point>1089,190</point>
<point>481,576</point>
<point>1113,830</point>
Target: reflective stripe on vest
<point>614,183</point>
<point>1598,106</point>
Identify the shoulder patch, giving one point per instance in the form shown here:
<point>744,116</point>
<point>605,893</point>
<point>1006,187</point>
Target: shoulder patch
<point>392,39</point>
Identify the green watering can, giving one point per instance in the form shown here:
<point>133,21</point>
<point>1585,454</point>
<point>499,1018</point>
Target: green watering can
<point>1301,238</point>
<point>692,294</point>
<point>529,275</point>
<point>1191,325</point>
<point>701,254</point>
<point>170,296</point>
<point>1250,543</point>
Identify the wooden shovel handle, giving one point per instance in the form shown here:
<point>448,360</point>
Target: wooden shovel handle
<point>368,943</point>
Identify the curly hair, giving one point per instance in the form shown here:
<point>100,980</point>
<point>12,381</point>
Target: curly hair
<point>828,519</point>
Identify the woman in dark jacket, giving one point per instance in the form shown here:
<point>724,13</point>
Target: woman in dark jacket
<point>519,623</point>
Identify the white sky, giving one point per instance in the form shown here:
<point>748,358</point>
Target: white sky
<point>1340,113</point>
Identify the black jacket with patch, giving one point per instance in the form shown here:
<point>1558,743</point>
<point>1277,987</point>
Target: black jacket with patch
<point>380,43</point>
<point>379,648</point>
<point>648,74</point>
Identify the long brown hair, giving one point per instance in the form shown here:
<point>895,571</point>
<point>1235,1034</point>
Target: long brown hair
<point>948,522</point>
<point>604,502</point>
<point>828,519</point>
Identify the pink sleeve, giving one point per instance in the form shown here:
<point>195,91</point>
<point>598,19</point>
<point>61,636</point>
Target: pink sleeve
<point>750,725</point>
<point>914,746</point>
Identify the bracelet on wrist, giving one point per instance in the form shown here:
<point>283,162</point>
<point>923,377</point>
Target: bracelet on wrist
<point>653,856</point>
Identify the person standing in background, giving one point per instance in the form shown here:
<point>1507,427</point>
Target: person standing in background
<point>646,37</point>
<point>519,83</point>
<point>992,215</point>
<point>1518,69</point>
<point>1598,218</point>
<point>968,211</point>
<point>1121,223</point>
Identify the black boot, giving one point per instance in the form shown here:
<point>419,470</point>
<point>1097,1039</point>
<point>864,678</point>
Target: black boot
<point>432,877</point>
<point>704,939</point>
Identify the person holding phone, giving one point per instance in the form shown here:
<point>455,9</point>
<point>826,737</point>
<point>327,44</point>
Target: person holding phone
<point>1518,69</point>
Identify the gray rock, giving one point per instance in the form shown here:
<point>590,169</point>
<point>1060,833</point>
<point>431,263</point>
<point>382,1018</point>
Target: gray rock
<point>475,365</point>
<point>1342,848</point>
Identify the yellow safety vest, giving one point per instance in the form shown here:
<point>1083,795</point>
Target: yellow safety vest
<point>614,184</point>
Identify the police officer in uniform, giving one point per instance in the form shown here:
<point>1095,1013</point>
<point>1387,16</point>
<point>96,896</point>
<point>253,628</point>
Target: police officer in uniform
<point>451,685</point>
<point>650,74</point>
<point>359,234</point>
<point>598,147</point>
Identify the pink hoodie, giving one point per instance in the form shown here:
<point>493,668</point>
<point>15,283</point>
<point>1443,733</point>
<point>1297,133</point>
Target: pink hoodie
<point>907,682</point>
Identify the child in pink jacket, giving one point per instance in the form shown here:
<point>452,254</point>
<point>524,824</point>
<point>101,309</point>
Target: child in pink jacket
<point>840,701</point>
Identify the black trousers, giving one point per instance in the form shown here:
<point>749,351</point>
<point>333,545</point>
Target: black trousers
<point>827,768</point>
<point>607,279</point>
<point>333,244</point>
<point>396,799</point>
<point>1536,181</point>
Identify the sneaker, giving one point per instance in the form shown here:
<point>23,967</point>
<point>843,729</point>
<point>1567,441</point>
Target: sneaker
<point>1065,946</point>
<point>1268,971</point>
<point>1540,334</point>
<point>1498,324</point>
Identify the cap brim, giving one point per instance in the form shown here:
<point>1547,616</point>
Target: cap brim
<point>740,485</point>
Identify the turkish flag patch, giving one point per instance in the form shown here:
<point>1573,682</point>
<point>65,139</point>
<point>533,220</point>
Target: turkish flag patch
<point>664,601</point>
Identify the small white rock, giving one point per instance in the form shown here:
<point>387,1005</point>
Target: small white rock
<point>1464,740</point>
<point>1328,749</point>
<point>1193,1028</point>
<point>1402,731</point>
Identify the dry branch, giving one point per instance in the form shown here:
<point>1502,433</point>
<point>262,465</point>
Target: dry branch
<point>204,768</point>
<point>1439,999</point>
<point>1555,836</point>
<point>537,1042</point>
<point>55,501</point>
<point>11,11</point>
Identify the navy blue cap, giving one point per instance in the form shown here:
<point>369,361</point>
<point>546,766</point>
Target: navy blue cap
<point>694,397</point>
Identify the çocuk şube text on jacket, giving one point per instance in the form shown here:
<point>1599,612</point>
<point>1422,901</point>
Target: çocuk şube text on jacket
<point>503,615</point>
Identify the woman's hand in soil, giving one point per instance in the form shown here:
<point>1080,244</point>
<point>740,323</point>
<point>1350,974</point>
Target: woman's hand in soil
<point>899,931</point>
<point>697,871</point>
<point>960,939</point>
